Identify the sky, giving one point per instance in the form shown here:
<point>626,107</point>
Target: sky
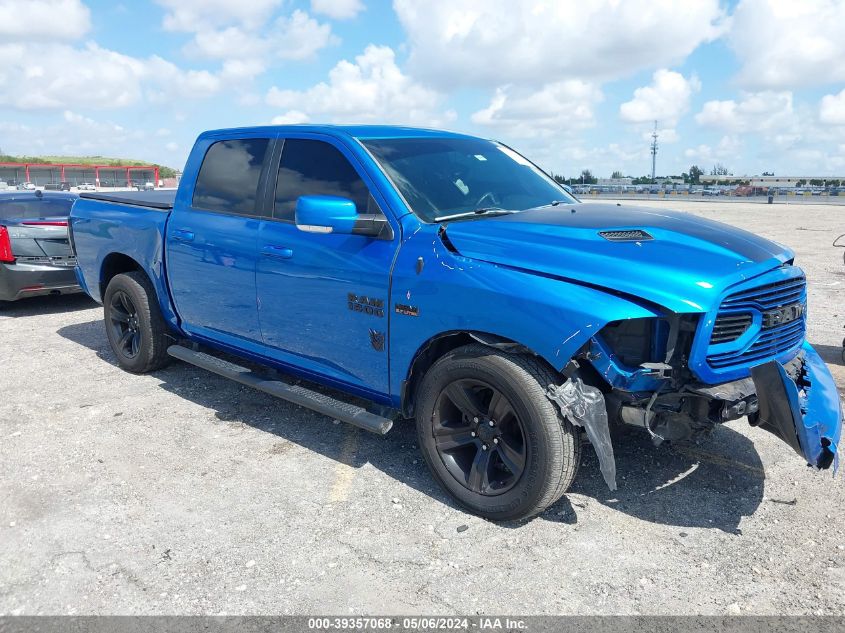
<point>755,85</point>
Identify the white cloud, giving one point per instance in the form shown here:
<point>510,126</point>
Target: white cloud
<point>558,108</point>
<point>754,112</point>
<point>40,20</point>
<point>786,135</point>
<point>70,132</point>
<point>496,42</point>
<point>783,44</point>
<point>372,89</point>
<point>664,135</point>
<point>727,150</point>
<point>73,133</point>
<point>246,41</point>
<point>201,15</point>
<point>167,81</point>
<point>666,99</point>
<point>237,70</point>
<point>832,109</point>
<point>291,117</point>
<point>300,36</point>
<point>35,76</point>
<point>232,42</point>
<point>337,9</point>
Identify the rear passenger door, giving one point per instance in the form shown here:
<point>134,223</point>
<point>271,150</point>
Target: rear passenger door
<point>323,298</point>
<point>211,242</point>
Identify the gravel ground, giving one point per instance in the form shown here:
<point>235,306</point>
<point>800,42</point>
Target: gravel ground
<point>182,493</point>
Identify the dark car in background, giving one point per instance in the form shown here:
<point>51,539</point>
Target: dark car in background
<point>36,257</point>
<point>57,186</point>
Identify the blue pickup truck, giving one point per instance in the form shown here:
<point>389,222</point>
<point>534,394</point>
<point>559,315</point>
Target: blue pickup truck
<point>399,273</point>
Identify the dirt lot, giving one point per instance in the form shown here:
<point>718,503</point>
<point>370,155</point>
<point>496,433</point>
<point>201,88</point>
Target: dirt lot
<point>180,492</point>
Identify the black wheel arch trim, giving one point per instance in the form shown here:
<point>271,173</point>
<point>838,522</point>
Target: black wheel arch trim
<point>440,344</point>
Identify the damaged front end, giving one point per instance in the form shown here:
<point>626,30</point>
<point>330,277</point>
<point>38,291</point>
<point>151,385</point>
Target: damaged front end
<point>799,403</point>
<point>637,373</point>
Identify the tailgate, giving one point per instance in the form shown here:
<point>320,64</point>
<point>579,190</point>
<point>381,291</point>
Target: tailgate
<point>41,241</point>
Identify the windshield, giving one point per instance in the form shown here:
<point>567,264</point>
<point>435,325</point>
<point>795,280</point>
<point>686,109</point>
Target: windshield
<point>442,177</point>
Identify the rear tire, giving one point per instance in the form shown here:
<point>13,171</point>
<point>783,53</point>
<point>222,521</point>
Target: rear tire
<point>512,468</point>
<point>136,330</point>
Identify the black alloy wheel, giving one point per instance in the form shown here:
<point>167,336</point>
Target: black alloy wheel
<point>123,317</point>
<point>489,434</point>
<point>479,437</point>
<point>136,329</point>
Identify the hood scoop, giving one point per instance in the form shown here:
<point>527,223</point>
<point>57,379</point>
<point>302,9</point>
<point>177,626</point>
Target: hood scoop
<point>634,235</point>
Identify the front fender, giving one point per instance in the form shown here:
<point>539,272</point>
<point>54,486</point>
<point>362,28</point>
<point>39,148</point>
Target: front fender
<point>435,290</point>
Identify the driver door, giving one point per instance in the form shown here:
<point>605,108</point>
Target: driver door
<point>323,297</point>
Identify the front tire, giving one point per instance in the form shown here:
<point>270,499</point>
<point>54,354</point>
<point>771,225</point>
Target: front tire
<point>136,330</point>
<point>491,437</point>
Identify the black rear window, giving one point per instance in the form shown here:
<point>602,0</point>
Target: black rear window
<point>17,209</point>
<point>228,178</point>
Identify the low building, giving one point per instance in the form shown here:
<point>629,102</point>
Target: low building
<point>768,181</point>
<point>100,175</point>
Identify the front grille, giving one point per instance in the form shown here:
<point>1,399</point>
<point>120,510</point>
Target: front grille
<point>779,293</point>
<point>730,327</point>
<point>736,316</point>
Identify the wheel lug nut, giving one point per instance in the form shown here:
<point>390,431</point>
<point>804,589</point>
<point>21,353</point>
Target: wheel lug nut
<point>475,420</point>
<point>491,423</point>
<point>473,433</point>
<point>484,447</point>
<point>495,440</point>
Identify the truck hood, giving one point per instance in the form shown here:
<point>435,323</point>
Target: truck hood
<point>685,266</point>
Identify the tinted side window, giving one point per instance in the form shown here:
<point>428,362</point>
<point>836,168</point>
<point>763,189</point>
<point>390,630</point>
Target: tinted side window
<point>311,168</point>
<point>228,178</point>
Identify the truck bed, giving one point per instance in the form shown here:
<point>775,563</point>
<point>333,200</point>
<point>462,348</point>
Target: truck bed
<point>131,224</point>
<point>159,199</point>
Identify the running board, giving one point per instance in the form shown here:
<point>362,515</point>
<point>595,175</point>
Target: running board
<point>321,403</point>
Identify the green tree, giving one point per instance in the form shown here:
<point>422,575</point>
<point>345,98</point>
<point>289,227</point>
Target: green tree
<point>587,177</point>
<point>617,174</point>
<point>801,183</point>
<point>557,177</point>
<point>695,174</point>
<point>719,170</point>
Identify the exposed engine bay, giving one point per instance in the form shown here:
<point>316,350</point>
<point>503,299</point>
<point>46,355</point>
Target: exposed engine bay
<point>637,373</point>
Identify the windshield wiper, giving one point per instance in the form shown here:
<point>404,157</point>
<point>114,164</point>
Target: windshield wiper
<point>469,214</point>
<point>553,203</point>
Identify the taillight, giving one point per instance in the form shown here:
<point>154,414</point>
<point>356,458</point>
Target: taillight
<point>5,246</point>
<point>54,223</point>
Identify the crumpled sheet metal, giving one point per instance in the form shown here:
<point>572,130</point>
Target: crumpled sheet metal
<point>584,406</point>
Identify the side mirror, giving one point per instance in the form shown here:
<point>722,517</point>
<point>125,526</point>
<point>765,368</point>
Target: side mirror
<point>332,214</point>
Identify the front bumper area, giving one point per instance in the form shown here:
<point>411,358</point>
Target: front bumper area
<point>19,280</point>
<point>800,404</point>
